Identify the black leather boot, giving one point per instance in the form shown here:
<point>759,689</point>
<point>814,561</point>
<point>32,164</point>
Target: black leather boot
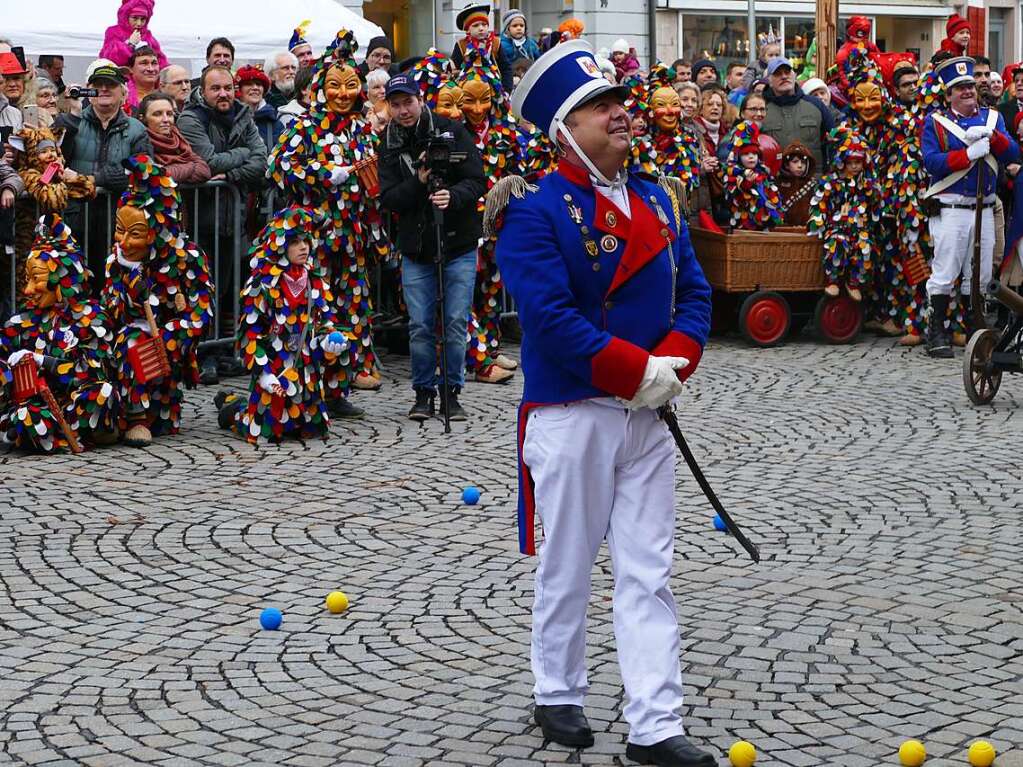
<point>938,342</point>
<point>423,407</point>
<point>449,404</point>
<point>565,725</point>
<point>672,752</point>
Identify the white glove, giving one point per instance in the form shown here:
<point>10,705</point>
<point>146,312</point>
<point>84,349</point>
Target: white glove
<point>15,357</point>
<point>340,175</point>
<point>331,347</point>
<point>982,148</point>
<point>660,384</point>
<point>976,133</point>
<point>270,383</point>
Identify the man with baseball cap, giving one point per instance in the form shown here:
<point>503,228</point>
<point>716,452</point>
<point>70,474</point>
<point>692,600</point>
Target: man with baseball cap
<point>615,312</point>
<point>410,188</point>
<point>791,114</point>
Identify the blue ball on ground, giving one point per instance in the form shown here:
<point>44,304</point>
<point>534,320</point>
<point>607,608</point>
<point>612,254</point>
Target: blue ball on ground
<point>270,618</point>
<point>336,337</point>
<point>471,495</point>
<point>719,524</point>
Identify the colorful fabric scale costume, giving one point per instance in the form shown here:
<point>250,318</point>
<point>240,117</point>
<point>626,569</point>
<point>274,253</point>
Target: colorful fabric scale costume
<point>751,194</point>
<point>153,263</point>
<point>676,150</point>
<point>315,165</point>
<point>287,312</point>
<point>65,338</point>
<point>845,213</point>
<point>485,108</point>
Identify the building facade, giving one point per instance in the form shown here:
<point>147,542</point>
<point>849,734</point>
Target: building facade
<point>698,29</point>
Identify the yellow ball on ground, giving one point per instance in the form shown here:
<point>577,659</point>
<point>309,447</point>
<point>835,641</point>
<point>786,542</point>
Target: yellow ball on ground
<point>981,754</point>
<point>742,754</point>
<point>337,602</point>
<point>912,753</point>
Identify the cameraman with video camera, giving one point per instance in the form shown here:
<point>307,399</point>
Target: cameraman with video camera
<point>430,171</point>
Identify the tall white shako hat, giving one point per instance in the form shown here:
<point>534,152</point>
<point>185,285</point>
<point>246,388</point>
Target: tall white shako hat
<point>955,71</point>
<point>564,78</point>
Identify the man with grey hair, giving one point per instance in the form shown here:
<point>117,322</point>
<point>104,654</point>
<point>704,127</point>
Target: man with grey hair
<point>281,68</point>
<point>176,83</point>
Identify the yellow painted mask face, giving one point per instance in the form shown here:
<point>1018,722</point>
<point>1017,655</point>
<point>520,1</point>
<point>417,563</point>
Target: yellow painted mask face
<point>666,107</point>
<point>132,233</point>
<point>342,88</point>
<point>477,101</point>
<point>449,102</point>
<point>37,289</point>
<point>868,101</point>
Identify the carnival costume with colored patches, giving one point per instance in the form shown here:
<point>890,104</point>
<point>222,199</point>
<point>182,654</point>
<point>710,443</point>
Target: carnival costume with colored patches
<point>42,148</point>
<point>845,212</point>
<point>751,194</point>
<point>496,138</point>
<point>173,277</point>
<point>676,149</point>
<point>308,165</point>
<point>888,129</point>
<point>73,337</point>
<point>287,311</point>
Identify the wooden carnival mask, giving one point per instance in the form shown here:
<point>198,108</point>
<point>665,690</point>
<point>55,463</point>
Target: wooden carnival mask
<point>666,107</point>
<point>342,88</point>
<point>477,101</point>
<point>449,102</point>
<point>132,233</point>
<point>868,101</point>
<point>37,284</point>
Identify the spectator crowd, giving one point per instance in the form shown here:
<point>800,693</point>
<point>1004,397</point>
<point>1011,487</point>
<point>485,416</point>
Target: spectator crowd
<point>842,154</point>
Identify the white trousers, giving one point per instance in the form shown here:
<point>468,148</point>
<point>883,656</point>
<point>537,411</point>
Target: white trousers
<point>952,233</point>
<point>603,472</point>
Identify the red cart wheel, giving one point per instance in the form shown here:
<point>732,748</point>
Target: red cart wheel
<point>838,319</point>
<point>764,318</point>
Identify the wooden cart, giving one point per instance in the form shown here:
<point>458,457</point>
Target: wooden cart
<point>775,277</point>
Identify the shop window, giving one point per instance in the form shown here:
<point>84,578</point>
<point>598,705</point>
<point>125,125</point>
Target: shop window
<point>723,39</point>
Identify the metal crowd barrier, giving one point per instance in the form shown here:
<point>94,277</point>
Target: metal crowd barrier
<point>213,216</point>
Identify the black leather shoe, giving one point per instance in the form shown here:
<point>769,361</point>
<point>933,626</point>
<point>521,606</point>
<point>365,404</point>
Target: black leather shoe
<point>566,725</point>
<point>673,752</point>
<point>342,408</point>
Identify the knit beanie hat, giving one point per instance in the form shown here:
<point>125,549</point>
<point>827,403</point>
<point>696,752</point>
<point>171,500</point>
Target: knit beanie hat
<point>510,17</point>
<point>954,24</point>
<point>621,45</point>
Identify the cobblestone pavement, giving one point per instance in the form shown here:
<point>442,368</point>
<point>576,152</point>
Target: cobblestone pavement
<point>888,605</point>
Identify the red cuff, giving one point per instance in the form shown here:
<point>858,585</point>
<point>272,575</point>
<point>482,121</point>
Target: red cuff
<point>999,142</point>
<point>677,344</point>
<point>618,368</point>
<point>958,160</point>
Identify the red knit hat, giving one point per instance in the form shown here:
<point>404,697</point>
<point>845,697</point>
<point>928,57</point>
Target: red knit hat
<point>857,28</point>
<point>251,74</point>
<point>954,24</point>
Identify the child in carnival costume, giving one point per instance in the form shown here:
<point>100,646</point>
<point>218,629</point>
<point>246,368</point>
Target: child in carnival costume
<point>676,150</point>
<point>68,337</point>
<point>750,192</point>
<point>153,262</point>
<point>286,334</point>
<point>314,165</point>
<point>40,150</point>
<point>642,156</point>
<point>845,213</point>
<point>485,108</point>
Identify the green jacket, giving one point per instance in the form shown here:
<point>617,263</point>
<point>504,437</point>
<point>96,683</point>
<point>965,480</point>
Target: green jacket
<point>95,151</point>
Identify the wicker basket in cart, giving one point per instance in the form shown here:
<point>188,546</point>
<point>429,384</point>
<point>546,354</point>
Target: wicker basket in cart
<point>785,259</point>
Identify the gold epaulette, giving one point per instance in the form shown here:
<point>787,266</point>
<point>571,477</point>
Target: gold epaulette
<point>498,198</point>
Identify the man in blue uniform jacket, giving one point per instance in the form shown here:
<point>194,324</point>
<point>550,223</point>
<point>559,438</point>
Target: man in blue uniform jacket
<point>957,144</point>
<point>615,312</point>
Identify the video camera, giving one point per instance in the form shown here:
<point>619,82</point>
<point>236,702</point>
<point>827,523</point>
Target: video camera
<point>439,158</point>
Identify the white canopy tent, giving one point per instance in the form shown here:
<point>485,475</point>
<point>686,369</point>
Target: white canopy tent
<point>75,28</point>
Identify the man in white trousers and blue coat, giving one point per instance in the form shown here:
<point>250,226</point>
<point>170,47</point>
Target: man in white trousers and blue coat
<point>957,143</point>
<point>615,312</point>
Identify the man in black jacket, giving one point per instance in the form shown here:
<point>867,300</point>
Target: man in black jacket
<point>405,190</point>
